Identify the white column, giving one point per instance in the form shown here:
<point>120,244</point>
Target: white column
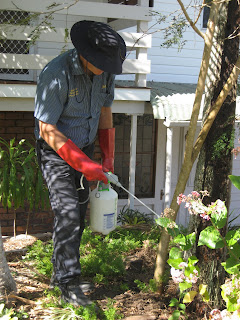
<point>141,53</point>
<point>160,167</point>
<point>132,163</point>
<point>168,179</point>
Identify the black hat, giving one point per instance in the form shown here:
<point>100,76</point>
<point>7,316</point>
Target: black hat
<point>99,44</point>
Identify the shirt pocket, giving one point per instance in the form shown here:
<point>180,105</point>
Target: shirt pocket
<point>79,104</point>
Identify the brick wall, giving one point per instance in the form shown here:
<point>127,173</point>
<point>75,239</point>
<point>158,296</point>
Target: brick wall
<point>38,221</point>
<point>17,124</point>
<point>20,125</point>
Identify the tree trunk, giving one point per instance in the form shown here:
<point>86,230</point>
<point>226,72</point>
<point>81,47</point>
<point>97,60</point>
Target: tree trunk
<point>215,159</point>
<point>7,283</point>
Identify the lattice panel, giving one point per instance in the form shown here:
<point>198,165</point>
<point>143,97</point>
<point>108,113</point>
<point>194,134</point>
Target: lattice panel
<point>14,46</point>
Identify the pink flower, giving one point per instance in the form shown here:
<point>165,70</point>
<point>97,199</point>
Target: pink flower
<point>183,265</point>
<point>180,198</point>
<point>215,314</point>
<point>195,194</point>
<point>205,216</point>
<point>177,275</point>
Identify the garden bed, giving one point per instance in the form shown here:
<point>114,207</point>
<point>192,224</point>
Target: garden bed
<point>132,304</point>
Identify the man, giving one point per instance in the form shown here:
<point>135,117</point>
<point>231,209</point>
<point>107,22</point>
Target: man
<point>73,101</point>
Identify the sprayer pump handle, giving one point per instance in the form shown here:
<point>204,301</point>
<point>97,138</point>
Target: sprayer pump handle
<point>112,178</point>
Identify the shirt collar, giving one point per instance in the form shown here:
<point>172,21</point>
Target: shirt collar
<point>75,63</point>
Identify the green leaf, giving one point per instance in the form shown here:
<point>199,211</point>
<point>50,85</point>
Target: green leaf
<point>173,232</point>
<point>163,222</point>
<point>234,251</point>
<point>211,238</point>
<point>174,302</point>
<point>202,288</point>
<point>232,237</point>
<point>182,306</point>
<point>219,219</point>
<point>231,265</point>
<point>175,262</point>
<point>175,316</point>
<point>206,297</point>
<point>235,181</point>
<point>204,293</point>
<point>192,260</point>
<point>188,298</point>
<point>185,242</point>
<point>175,253</point>
<point>184,286</point>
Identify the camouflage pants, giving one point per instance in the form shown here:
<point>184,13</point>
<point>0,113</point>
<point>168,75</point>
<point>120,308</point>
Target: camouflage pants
<point>69,204</point>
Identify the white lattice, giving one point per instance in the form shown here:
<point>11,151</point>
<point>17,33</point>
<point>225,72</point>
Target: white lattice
<point>13,46</point>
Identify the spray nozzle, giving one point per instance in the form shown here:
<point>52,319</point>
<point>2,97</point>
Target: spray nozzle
<point>112,178</point>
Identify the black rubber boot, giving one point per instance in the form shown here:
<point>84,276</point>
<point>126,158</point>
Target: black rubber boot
<point>85,286</point>
<point>72,293</point>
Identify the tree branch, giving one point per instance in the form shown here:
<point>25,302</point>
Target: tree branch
<point>190,20</point>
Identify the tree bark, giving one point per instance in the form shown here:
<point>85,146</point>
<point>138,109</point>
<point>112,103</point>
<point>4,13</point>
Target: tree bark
<point>7,283</point>
<point>215,159</point>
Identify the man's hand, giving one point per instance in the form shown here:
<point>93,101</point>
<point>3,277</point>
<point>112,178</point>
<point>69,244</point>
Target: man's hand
<point>79,161</point>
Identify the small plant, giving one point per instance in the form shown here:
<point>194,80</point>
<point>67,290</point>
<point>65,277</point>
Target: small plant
<point>69,312</point>
<point>10,314</point>
<point>151,287</point>
<point>124,287</point>
<point>180,309</point>
<point>132,217</point>
<point>141,285</point>
<point>111,313</point>
<point>6,314</point>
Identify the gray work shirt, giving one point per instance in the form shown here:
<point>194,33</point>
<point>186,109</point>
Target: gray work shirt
<point>67,98</point>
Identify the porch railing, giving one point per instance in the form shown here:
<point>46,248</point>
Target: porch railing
<point>137,42</point>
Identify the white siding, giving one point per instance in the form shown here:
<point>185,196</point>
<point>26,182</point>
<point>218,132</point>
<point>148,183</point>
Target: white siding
<point>171,65</point>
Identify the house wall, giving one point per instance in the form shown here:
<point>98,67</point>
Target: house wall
<point>172,65</point>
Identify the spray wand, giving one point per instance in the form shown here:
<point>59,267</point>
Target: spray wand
<point>112,178</point>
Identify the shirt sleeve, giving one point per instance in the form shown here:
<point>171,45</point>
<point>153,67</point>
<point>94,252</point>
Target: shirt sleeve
<point>110,90</point>
<point>51,96</point>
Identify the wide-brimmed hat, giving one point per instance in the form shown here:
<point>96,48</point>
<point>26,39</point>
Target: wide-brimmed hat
<point>99,44</point>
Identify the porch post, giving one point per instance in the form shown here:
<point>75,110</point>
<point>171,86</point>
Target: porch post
<point>168,179</point>
<point>132,163</point>
<point>160,167</point>
<point>141,53</point>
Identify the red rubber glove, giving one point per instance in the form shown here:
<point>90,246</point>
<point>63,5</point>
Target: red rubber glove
<point>106,139</point>
<point>79,161</point>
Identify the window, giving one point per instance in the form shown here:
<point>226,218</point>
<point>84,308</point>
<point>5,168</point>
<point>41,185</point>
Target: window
<point>145,157</point>
<point>14,46</point>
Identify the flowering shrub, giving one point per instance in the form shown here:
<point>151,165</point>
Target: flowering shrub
<point>186,273</point>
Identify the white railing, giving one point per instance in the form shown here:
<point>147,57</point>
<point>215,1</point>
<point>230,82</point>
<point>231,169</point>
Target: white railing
<point>138,42</point>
